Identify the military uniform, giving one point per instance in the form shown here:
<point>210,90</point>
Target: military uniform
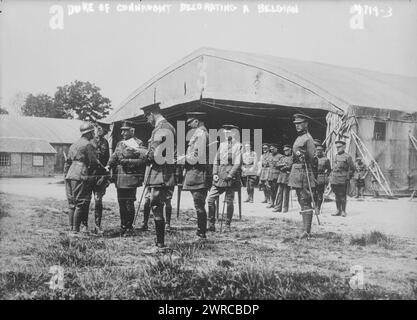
<point>197,177</point>
<point>227,166</point>
<point>303,152</point>
<point>128,165</point>
<point>322,178</point>
<point>284,165</point>
<point>301,176</point>
<point>263,175</point>
<point>101,177</point>
<point>162,174</point>
<point>78,171</point>
<point>273,176</point>
<point>249,172</point>
<point>359,176</point>
<point>342,171</point>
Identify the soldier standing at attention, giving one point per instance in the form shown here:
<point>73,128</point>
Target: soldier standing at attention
<point>361,171</point>
<point>284,165</point>
<point>303,161</point>
<point>197,177</point>
<point>322,175</point>
<point>273,173</point>
<point>78,170</point>
<point>128,164</point>
<point>161,154</point>
<point>342,171</point>
<point>249,170</point>
<point>102,182</point>
<point>263,172</point>
<point>226,175</point>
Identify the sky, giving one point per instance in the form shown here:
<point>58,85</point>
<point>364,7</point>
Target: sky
<point>119,51</point>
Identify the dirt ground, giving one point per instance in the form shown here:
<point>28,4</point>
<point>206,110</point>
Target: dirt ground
<point>393,217</point>
<point>261,258</point>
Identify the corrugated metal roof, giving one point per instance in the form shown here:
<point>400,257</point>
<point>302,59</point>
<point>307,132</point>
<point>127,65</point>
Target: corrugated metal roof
<point>50,129</point>
<point>309,84</point>
<point>25,145</point>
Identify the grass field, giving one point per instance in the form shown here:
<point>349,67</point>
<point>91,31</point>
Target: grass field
<point>260,259</point>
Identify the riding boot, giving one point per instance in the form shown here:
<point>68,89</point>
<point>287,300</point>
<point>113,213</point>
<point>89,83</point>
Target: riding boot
<point>168,213</point>
<point>71,218</point>
<point>98,213</point>
<point>307,219</point>
<point>343,207</point>
<point>212,217</point>
<point>146,214</point>
<point>160,233</point>
<point>201,224</point>
<point>338,206</point>
<point>78,215</point>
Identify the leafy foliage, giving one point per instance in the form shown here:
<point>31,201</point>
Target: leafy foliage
<point>42,105</point>
<point>82,100</point>
<point>3,111</point>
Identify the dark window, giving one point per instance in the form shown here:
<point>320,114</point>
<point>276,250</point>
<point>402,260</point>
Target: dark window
<point>380,130</point>
<point>37,160</point>
<point>4,159</point>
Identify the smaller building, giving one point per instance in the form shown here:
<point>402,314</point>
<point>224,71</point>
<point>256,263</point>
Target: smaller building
<point>26,157</point>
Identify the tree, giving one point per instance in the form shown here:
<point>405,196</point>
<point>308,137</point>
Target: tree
<point>3,111</point>
<point>82,100</point>
<point>42,105</point>
<point>16,103</point>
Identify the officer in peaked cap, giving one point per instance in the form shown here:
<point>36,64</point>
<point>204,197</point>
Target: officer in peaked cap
<point>322,171</point>
<point>249,169</point>
<point>78,170</point>
<point>226,174</point>
<point>128,165</point>
<point>263,171</point>
<point>301,177</point>
<point>343,169</point>
<point>273,173</point>
<point>102,180</point>
<point>197,176</point>
<point>284,165</point>
<point>162,169</point>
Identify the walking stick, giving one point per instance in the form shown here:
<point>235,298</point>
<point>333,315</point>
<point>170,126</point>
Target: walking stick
<point>145,188</point>
<point>221,221</point>
<point>311,192</point>
<point>179,189</point>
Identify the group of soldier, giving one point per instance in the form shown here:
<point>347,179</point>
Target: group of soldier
<point>303,167</point>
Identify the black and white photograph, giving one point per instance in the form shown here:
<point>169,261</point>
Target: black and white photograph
<point>218,152</point>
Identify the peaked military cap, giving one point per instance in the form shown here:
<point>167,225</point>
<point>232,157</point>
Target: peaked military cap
<point>299,117</point>
<point>229,127</point>
<point>191,116</point>
<point>319,146</point>
<point>126,125</point>
<point>287,146</point>
<point>86,127</point>
<point>275,145</point>
<point>151,108</point>
<point>265,144</point>
<point>340,142</point>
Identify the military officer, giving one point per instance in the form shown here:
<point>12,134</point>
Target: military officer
<point>342,171</point>
<point>160,156</point>
<point>263,171</point>
<point>361,171</point>
<point>273,173</point>
<point>101,175</point>
<point>226,175</point>
<point>78,170</point>
<point>197,176</point>
<point>322,175</point>
<point>284,165</point>
<point>128,165</point>
<point>249,170</point>
<point>301,177</point>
